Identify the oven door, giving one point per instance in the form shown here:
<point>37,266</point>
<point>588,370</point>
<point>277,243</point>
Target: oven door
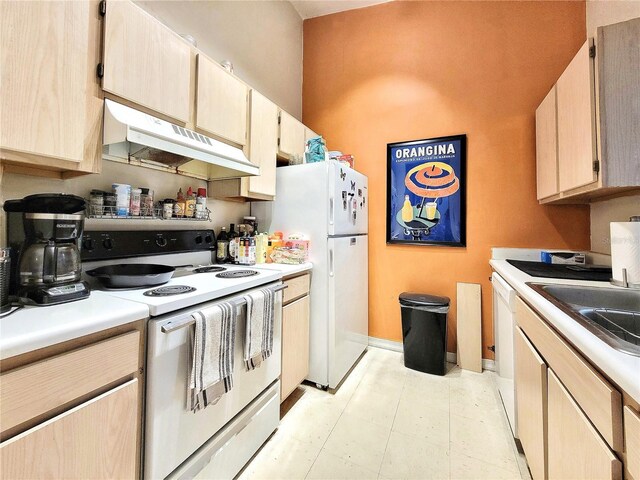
<point>172,432</point>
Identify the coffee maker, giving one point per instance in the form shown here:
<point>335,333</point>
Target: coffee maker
<point>45,232</point>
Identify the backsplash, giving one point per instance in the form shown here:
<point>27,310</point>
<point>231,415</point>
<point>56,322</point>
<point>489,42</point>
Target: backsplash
<point>165,185</point>
<point>605,212</point>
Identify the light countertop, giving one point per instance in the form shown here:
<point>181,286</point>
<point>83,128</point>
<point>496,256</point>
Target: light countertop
<point>286,270</point>
<point>621,368</point>
<point>32,328</point>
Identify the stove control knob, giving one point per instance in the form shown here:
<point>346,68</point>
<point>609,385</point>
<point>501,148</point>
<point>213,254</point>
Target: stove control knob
<point>161,241</point>
<point>107,243</point>
<point>208,239</point>
<point>88,244</point>
<point>199,239</point>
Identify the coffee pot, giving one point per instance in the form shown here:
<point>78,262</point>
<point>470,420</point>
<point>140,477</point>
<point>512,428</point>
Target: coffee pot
<point>49,266</point>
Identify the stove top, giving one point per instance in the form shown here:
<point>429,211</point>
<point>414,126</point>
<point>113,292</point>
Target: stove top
<point>238,274</point>
<point>169,291</point>
<point>209,269</point>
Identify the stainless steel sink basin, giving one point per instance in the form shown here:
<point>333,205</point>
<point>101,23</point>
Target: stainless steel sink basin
<point>612,314</point>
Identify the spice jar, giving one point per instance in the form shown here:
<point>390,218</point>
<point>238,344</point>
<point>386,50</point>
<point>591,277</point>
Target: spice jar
<point>96,202</point>
<point>167,208</point>
<point>146,202</point>
<point>109,204</point>
<point>134,206</point>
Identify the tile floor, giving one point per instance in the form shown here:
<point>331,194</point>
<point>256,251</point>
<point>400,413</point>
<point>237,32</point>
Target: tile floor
<point>389,422</point>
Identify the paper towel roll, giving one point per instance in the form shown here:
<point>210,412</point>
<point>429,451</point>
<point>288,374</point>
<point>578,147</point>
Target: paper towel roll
<point>625,251</point>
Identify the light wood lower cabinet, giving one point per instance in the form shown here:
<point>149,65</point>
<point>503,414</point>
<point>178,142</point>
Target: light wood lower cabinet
<point>632,442</point>
<point>295,345</point>
<point>97,439</point>
<point>575,449</point>
<point>531,404</point>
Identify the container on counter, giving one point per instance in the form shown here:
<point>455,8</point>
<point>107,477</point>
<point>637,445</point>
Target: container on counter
<point>251,224</point>
<point>201,204</point>
<point>167,208</point>
<point>135,201</point>
<point>179,205</point>
<point>123,198</point>
<point>190,204</point>
<point>96,202</point>
<point>146,202</point>
<point>109,204</point>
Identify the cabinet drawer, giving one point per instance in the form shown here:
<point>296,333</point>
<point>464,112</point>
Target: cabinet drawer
<point>596,396</point>
<point>33,390</point>
<point>96,439</point>
<point>632,442</point>
<point>575,448</point>
<point>296,287</point>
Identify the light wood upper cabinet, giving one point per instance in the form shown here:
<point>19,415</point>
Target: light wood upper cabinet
<point>145,62</point>
<point>598,119</point>
<point>263,146</point>
<point>97,439</point>
<point>547,146</point>
<point>531,404</point>
<point>576,122</point>
<point>51,103</point>
<point>221,102</point>
<point>309,134</point>
<point>575,449</point>
<point>292,138</point>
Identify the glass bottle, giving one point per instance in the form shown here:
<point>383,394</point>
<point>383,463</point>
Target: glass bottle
<point>222,246</point>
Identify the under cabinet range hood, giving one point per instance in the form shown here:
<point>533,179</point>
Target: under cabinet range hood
<point>129,133</point>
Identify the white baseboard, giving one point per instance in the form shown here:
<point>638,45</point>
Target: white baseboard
<point>397,347</point>
<point>386,344</point>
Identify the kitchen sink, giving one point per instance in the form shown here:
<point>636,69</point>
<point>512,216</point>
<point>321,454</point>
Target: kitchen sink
<point>612,314</point>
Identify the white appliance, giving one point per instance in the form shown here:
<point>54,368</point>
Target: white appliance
<point>219,440</point>
<point>504,321</point>
<point>329,203</point>
<point>129,132</point>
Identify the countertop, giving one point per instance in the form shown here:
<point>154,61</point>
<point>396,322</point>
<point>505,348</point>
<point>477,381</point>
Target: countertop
<point>621,368</point>
<point>287,270</point>
<point>32,328</point>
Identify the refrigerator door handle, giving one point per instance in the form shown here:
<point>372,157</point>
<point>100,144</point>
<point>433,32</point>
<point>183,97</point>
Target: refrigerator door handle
<point>331,262</point>
<point>330,210</point>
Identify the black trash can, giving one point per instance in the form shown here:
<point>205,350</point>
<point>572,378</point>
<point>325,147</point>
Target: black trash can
<point>424,332</point>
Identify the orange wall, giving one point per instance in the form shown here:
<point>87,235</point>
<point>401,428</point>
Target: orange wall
<point>411,70</point>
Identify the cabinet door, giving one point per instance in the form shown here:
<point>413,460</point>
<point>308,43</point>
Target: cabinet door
<point>531,405</point>
<point>575,449</point>
<point>145,62</point>
<point>221,105</point>
<point>547,146</point>
<point>263,146</point>
<point>291,143</point>
<point>309,134</point>
<point>632,442</point>
<point>97,439</point>
<point>50,104</point>
<point>576,122</point>
<point>295,345</point>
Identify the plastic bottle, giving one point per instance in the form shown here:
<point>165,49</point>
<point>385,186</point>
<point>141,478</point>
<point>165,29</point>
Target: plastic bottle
<point>233,243</point>
<point>222,246</point>
<point>180,205</point>
<point>190,204</point>
<point>135,202</point>
<point>407,210</point>
<point>201,204</point>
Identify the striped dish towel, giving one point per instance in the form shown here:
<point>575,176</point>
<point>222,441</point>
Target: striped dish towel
<point>259,336</point>
<point>212,344</point>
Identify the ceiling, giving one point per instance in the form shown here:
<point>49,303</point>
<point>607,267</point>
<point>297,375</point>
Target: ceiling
<point>317,8</point>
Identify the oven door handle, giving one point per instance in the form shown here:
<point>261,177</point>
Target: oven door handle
<point>188,320</point>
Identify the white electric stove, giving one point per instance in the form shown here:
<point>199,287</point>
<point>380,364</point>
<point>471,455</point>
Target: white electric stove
<point>218,440</point>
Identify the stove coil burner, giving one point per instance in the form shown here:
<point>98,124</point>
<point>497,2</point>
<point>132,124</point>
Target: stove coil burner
<point>208,269</point>
<point>169,290</point>
<point>237,274</point>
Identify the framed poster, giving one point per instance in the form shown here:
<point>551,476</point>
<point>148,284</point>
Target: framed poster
<point>426,185</point>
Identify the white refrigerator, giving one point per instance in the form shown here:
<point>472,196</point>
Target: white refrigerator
<point>329,203</point>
